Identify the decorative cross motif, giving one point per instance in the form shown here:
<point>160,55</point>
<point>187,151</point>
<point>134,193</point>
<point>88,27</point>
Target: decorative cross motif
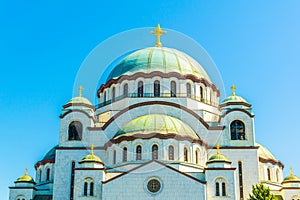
<point>92,149</point>
<point>218,149</point>
<point>158,32</point>
<point>233,89</point>
<point>26,170</point>
<point>80,91</point>
<point>291,171</point>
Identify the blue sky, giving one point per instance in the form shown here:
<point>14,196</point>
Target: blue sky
<point>255,45</point>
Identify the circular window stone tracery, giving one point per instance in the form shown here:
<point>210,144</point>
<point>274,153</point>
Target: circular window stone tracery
<point>153,185</point>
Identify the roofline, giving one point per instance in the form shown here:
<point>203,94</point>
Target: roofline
<point>167,166</point>
<point>76,110</point>
<point>79,104</point>
<point>235,103</point>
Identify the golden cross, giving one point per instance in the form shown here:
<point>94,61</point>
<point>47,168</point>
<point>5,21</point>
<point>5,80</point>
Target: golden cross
<point>218,149</point>
<point>80,91</point>
<point>233,90</point>
<point>158,32</point>
<point>92,148</point>
<point>26,170</point>
<point>291,171</point>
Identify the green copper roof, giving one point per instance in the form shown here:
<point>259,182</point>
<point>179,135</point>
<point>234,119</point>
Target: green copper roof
<point>234,99</point>
<point>160,59</point>
<point>91,158</point>
<point>156,123</point>
<point>82,100</point>
<point>218,158</point>
<point>291,178</point>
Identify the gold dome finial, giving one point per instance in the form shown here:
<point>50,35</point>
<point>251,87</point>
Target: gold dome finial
<point>158,32</point>
<point>92,149</point>
<point>80,91</point>
<point>26,170</point>
<point>233,90</point>
<point>218,149</point>
<point>291,170</point>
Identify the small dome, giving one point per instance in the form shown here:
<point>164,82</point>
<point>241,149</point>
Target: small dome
<point>218,158</point>
<point>156,123</point>
<point>159,59</point>
<point>25,178</point>
<point>91,158</point>
<point>234,99</point>
<point>80,100</point>
<point>291,177</point>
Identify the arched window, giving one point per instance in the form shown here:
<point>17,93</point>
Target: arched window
<point>154,152</point>
<point>223,189</point>
<point>125,90</point>
<point>188,90</point>
<point>201,94</point>
<point>139,152</point>
<point>171,152</point>
<point>85,189</point>
<point>197,155</point>
<point>237,129</point>
<point>185,153</point>
<point>173,89</point>
<point>240,168</point>
<point>277,176</point>
<point>48,174</point>
<point>140,89</point>
<point>75,130</point>
<point>92,189</point>
<point>217,189</point>
<point>156,88</point>
<point>125,154</point>
<point>115,157</point>
<point>40,176</point>
<point>220,187</point>
<point>269,174</point>
<point>113,96</point>
<point>104,97</point>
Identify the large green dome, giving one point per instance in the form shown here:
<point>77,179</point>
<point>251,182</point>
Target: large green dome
<point>156,123</point>
<point>159,59</point>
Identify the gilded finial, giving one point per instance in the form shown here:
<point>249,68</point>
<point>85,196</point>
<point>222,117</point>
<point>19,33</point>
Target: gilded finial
<point>80,91</point>
<point>26,170</point>
<point>92,149</point>
<point>233,90</point>
<point>218,149</point>
<point>291,171</point>
<point>158,32</point>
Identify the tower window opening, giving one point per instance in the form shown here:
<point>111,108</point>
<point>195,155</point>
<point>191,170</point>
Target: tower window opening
<point>171,153</point>
<point>75,131</point>
<point>237,129</point>
<point>139,152</point>
<point>188,90</point>
<point>156,88</point>
<point>173,89</point>
<point>140,89</point>
<point>154,152</point>
<point>125,154</point>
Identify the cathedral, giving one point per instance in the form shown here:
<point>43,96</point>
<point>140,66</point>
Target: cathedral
<point>158,131</point>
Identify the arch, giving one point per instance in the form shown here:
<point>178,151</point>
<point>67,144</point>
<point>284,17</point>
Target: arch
<point>277,176</point>
<point>48,174</point>
<point>221,188</point>
<point>85,189</point>
<point>114,156</point>
<point>75,131</point>
<point>125,90</point>
<point>113,95</point>
<point>173,89</point>
<point>237,130</point>
<point>156,88</point>
<point>140,89</point>
<point>171,152</point>
<point>40,175</point>
<point>185,154</point>
<point>201,94</point>
<point>269,174</point>
<point>104,96</point>
<point>125,154</point>
<point>91,188</point>
<point>20,197</point>
<point>188,90</point>
<point>197,156</point>
<point>154,152</point>
<point>139,152</point>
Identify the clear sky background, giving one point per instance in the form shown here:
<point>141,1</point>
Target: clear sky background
<point>255,44</point>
